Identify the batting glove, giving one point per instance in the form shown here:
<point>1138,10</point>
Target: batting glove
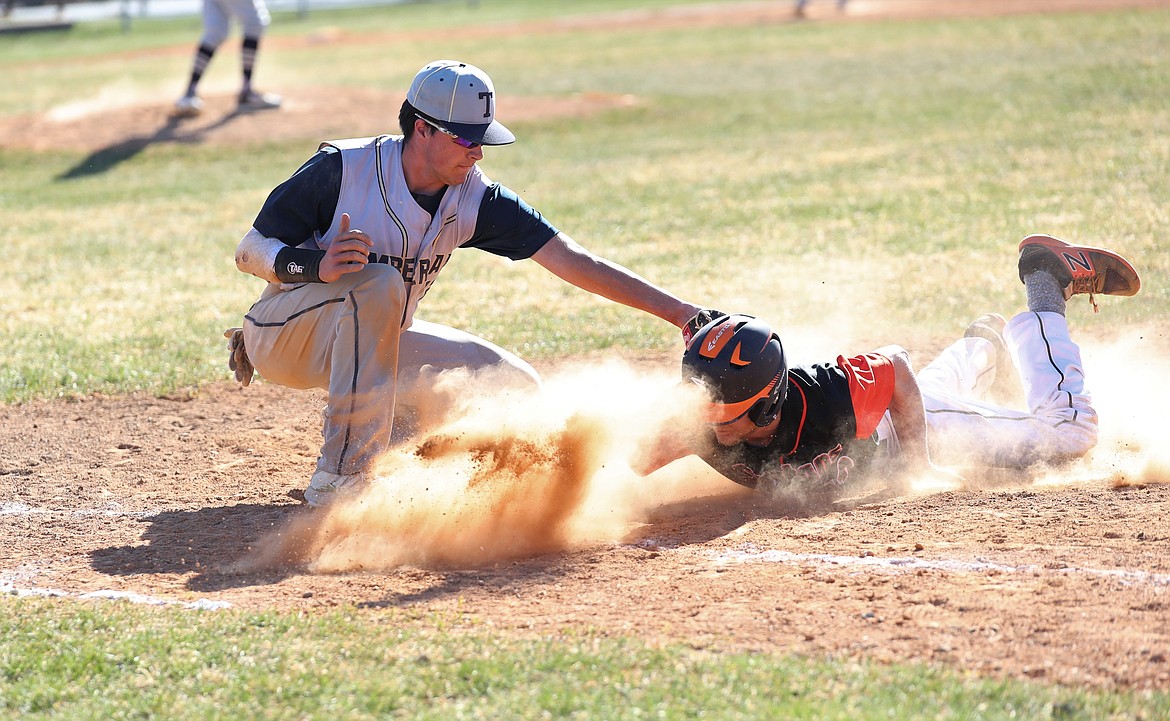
<point>696,323</point>
<point>238,360</point>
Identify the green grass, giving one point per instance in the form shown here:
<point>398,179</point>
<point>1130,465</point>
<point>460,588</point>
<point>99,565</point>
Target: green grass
<point>801,172</point>
<point>114,661</point>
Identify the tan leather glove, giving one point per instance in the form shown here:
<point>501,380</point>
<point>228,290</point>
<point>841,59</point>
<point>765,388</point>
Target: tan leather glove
<point>238,360</point>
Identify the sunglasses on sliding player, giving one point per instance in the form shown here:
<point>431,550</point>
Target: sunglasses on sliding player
<point>461,142</point>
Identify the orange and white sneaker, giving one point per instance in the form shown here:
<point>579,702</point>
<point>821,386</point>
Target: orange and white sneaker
<point>1079,268</point>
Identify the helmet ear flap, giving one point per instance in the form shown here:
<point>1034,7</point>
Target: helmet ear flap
<point>766,409</point>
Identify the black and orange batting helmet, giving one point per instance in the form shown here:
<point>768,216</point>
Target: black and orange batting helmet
<point>740,361</point>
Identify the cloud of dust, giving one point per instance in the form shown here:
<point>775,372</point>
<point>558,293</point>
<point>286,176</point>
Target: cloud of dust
<point>501,474</point>
<point>508,475</point>
<point>1126,379</point>
<point>1131,391</point>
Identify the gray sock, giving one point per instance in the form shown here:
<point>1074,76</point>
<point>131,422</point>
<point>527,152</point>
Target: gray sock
<point>1044,293</point>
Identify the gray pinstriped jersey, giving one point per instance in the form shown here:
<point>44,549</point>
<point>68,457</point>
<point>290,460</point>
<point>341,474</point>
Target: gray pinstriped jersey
<point>375,194</point>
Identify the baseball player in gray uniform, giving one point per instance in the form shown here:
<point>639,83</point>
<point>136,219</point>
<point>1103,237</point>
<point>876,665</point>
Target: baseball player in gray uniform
<point>254,18</point>
<point>771,426</point>
<point>354,239</point>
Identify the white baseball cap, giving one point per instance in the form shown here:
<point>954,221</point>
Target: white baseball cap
<point>462,99</point>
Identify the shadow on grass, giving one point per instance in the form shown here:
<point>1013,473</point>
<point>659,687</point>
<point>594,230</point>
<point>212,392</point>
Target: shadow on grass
<point>108,158</point>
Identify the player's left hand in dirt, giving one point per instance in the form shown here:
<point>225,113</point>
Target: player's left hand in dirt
<point>697,321</point>
<point>238,361</point>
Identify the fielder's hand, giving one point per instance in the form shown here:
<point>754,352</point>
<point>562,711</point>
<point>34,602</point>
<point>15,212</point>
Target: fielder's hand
<point>696,323</point>
<point>238,360</point>
<point>347,253</point>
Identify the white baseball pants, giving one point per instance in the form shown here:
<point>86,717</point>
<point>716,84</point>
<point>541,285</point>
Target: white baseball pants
<point>345,337</point>
<point>252,15</point>
<point>1060,423</point>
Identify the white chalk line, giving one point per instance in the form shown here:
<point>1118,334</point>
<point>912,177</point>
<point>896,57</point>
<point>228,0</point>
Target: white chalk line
<point>15,508</point>
<point>9,588</point>
<point>908,564</point>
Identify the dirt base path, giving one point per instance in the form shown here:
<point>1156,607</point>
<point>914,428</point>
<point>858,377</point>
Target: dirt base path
<point>158,498</point>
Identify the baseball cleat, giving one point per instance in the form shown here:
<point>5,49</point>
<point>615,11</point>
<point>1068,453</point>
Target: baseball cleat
<point>252,100</point>
<point>326,487</point>
<point>1078,268</point>
<point>188,106</point>
<point>1006,387</point>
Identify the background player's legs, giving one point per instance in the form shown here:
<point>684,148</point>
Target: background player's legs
<point>248,49</point>
<point>344,337</point>
<point>254,17</point>
<point>215,31</point>
<point>251,99</point>
<point>203,55</point>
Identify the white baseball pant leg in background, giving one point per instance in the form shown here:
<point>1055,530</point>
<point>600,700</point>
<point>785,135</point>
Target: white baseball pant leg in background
<point>252,14</point>
<point>427,350</point>
<point>1060,423</point>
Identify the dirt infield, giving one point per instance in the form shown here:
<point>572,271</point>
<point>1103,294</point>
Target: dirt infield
<point>1066,581</point>
<point>191,500</point>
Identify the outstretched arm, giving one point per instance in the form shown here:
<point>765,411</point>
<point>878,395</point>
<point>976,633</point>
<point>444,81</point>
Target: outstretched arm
<point>566,259</point>
<point>906,409</point>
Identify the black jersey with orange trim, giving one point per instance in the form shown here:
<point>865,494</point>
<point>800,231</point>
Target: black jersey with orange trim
<point>815,440</point>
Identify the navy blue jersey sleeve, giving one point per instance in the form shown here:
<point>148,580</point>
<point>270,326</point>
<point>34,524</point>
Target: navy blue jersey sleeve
<point>508,226</point>
<point>304,204</point>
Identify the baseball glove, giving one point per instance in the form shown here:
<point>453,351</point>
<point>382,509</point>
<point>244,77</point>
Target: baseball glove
<point>696,323</point>
<point>238,360</point>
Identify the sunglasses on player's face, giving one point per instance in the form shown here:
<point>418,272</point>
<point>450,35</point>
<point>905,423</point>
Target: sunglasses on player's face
<point>461,142</point>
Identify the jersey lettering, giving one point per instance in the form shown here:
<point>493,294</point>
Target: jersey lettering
<point>831,468</point>
<point>414,270</point>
